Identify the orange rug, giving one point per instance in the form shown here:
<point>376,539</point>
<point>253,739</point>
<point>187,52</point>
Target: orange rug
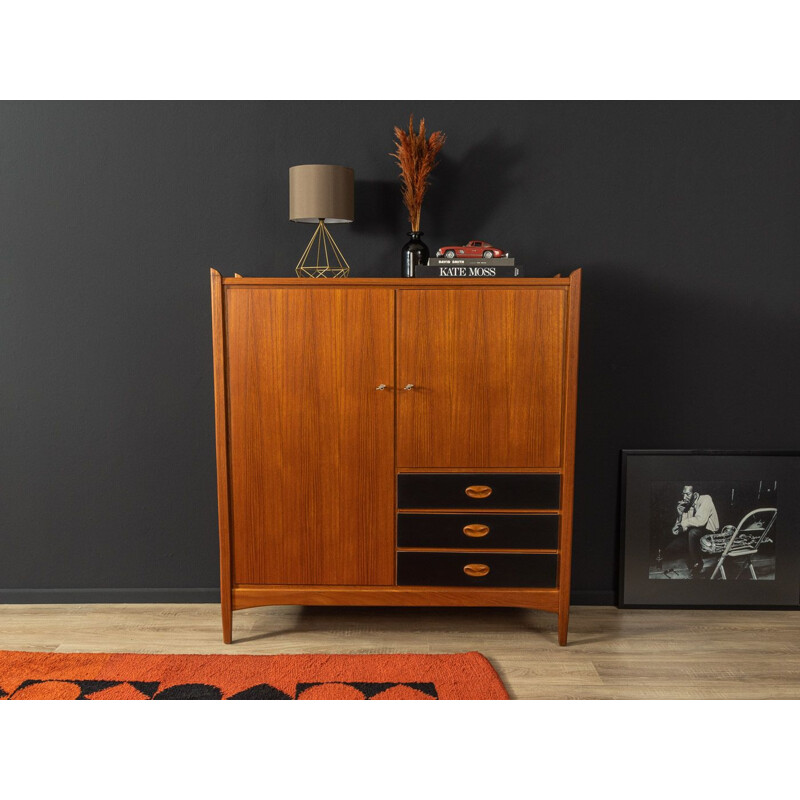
<point>128,676</point>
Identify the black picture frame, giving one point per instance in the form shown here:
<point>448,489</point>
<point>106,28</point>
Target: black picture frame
<point>751,561</point>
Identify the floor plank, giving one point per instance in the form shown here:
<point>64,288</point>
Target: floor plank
<point>612,653</point>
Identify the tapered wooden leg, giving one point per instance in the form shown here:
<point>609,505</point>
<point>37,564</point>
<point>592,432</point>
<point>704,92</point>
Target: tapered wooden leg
<point>227,620</point>
<point>563,624</point>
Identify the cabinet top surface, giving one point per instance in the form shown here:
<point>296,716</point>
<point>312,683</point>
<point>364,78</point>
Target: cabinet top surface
<point>397,283</point>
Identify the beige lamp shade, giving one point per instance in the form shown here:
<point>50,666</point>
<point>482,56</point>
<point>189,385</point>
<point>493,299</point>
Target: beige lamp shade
<point>320,191</point>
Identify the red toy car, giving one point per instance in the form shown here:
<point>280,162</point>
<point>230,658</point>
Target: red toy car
<point>474,249</point>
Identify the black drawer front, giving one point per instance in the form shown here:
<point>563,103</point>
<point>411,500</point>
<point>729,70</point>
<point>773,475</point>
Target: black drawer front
<point>449,490</point>
<point>516,531</point>
<point>504,569</point>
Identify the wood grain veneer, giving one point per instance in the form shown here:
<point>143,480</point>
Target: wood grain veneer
<point>488,372</point>
<point>568,449</point>
<point>252,596</point>
<point>221,414</point>
<point>309,453</point>
<point>312,453</point>
<point>405,284</point>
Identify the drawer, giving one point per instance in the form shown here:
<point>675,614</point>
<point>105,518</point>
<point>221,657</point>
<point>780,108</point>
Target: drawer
<point>478,490</point>
<point>478,531</point>
<point>477,569</point>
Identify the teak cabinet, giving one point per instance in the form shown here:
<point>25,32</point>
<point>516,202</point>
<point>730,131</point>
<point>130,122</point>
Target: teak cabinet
<point>395,442</point>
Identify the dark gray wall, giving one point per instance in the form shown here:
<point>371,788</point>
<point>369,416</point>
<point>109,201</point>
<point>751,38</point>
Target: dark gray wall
<point>684,217</point>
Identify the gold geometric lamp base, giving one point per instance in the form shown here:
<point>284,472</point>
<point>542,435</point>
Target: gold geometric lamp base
<point>322,269</point>
<point>320,193</point>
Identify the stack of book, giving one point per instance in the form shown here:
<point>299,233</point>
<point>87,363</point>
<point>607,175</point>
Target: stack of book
<point>469,268</point>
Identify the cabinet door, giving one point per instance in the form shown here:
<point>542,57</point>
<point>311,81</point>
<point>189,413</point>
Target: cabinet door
<point>487,366</point>
<point>311,440</point>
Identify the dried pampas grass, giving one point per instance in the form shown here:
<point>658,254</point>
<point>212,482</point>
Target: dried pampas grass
<point>416,157</point>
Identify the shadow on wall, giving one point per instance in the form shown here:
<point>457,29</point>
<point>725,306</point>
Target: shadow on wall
<point>466,193</point>
<point>380,225</point>
<point>693,377</point>
<point>695,374</point>
<point>463,194</point>
<point>377,207</point>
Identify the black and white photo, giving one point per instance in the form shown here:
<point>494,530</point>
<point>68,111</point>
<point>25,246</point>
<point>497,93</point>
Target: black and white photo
<point>710,529</point>
<point>696,528</point>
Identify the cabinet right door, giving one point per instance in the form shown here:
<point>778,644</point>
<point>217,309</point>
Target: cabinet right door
<point>487,370</point>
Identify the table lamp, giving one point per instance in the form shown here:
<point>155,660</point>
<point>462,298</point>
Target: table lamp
<point>321,193</point>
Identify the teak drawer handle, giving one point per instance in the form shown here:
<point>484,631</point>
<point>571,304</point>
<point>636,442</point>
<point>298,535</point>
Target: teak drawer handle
<point>478,492</point>
<point>476,531</point>
<point>476,570</point>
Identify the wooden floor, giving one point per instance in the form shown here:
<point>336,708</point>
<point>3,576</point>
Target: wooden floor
<point>612,653</point>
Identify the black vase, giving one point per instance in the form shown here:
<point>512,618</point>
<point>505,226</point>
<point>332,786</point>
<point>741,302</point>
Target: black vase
<point>415,252</point>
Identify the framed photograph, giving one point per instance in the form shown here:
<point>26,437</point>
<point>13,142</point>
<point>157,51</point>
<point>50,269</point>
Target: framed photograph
<point>710,529</point>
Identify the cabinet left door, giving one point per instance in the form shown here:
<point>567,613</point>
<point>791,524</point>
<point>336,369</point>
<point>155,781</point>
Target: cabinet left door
<point>311,438</point>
